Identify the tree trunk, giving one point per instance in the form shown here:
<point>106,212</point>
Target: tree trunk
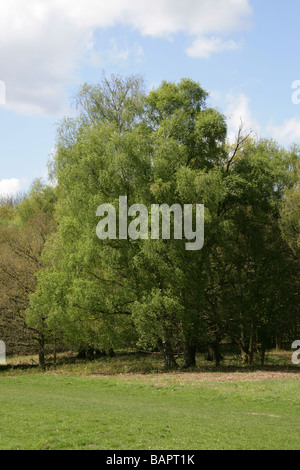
<point>278,342</point>
<point>169,359</point>
<point>244,356</point>
<point>217,353</point>
<point>90,353</point>
<point>210,353</point>
<point>55,353</point>
<point>189,356</point>
<point>81,354</point>
<point>99,354</point>
<point>251,350</point>
<point>247,354</point>
<point>244,345</point>
<point>111,353</point>
<point>42,352</point>
<point>262,354</point>
<point>250,356</point>
<point>213,353</point>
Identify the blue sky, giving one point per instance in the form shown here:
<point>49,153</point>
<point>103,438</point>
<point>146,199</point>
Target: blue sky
<point>244,52</point>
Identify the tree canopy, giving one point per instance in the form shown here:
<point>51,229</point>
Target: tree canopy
<point>165,146</point>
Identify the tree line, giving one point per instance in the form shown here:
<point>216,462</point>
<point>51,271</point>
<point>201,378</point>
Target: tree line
<point>60,283</point>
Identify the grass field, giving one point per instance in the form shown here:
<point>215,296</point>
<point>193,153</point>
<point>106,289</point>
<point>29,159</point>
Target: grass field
<point>212,409</point>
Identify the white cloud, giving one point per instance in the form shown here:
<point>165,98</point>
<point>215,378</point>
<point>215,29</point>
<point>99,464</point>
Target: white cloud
<point>9,187</point>
<point>43,42</point>
<point>288,132</point>
<point>113,53</point>
<point>2,92</point>
<point>237,112</point>
<point>160,17</point>
<point>203,48</point>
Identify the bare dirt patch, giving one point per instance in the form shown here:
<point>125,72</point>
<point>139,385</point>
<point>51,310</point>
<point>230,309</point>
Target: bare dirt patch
<point>195,378</point>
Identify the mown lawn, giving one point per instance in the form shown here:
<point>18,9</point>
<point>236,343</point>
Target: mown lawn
<point>47,411</point>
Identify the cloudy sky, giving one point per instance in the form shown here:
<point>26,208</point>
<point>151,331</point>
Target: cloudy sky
<point>245,53</point>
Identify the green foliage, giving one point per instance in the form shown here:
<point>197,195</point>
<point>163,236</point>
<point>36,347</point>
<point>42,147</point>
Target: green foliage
<point>40,200</point>
<point>290,214</point>
<point>166,147</point>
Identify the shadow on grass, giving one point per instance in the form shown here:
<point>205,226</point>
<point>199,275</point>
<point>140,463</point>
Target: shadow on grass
<point>243,369</point>
<point>9,367</point>
<point>146,363</point>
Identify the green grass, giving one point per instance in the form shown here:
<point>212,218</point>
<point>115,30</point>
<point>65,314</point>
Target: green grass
<point>47,411</point>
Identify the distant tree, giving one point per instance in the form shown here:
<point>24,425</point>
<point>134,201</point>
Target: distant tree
<point>21,243</point>
<point>13,199</point>
<point>290,214</point>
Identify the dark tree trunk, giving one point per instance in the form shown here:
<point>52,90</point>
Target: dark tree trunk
<point>214,353</point>
<point>42,352</point>
<point>244,356</point>
<point>278,342</point>
<point>217,353</point>
<point>252,344</point>
<point>169,359</point>
<point>54,353</point>
<point>99,354</point>
<point>189,356</point>
<point>81,354</point>
<point>244,345</point>
<point>247,355</point>
<point>262,354</point>
<point>90,354</point>
<point>111,353</point>
<point>250,356</point>
<point>210,353</point>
